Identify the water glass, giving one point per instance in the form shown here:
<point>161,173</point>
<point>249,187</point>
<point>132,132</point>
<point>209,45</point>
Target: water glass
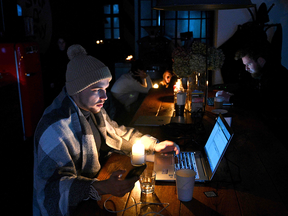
<point>147,181</point>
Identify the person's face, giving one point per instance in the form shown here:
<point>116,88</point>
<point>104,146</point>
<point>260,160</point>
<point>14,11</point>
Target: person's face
<point>61,44</point>
<point>167,77</point>
<point>92,98</point>
<point>252,66</point>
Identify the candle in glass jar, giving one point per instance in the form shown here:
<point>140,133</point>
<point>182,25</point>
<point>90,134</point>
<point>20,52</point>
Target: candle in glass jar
<point>206,98</point>
<point>138,154</point>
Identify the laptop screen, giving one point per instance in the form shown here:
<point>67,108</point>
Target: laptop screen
<point>217,143</point>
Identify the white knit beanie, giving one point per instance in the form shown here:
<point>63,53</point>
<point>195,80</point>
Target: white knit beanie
<point>83,70</point>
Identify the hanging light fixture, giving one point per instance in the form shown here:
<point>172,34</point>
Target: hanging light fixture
<point>203,5</point>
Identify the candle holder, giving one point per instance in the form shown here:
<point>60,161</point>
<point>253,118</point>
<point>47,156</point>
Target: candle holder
<point>138,160</point>
<point>138,157</point>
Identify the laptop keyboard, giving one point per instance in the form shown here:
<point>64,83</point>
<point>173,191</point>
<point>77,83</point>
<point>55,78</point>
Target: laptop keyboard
<point>186,160</point>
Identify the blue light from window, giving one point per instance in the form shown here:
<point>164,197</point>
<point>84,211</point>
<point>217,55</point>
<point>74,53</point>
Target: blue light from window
<point>203,29</point>
<point>108,23</point>
<point>145,10</point>
<point>19,10</point>
<point>145,23</point>
<point>195,14</point>
<point>115,9</point>
<point>116,34</point>
<point>170,14</point>
<point>182,14</point>
<point>182,26</point>
<point>194,26</point>
<point>192,21</point>
<point>170,28</point>
<point>107,33</point>
<point>116,22</point>
<point>107,9</point>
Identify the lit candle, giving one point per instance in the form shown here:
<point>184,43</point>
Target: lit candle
<point>206,96</point>
<point>207,89</point>
<point>177,86</point>
<point>155,86</point>
<point>129,57</point>
<point>138,154</point>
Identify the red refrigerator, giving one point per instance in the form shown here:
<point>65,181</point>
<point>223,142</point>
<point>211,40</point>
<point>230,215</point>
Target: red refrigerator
<point>21,88</point>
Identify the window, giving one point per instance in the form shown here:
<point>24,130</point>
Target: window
<point>173,23</point>
<point>112,23</point>
<point>147,16</point>
<point>19,10</point>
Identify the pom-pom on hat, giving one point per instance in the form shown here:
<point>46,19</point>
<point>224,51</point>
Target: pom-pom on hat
<point>83,70</point>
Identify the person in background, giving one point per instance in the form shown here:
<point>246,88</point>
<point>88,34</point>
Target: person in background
<point>128,87</point>
<point>267,86</point>
<point>266,93</point>
<point>75,134</point>
<point>167,76</point>
<point>54,69</point>
<point>62,44</point>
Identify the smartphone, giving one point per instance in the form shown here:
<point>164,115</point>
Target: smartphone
<point>136,171</point>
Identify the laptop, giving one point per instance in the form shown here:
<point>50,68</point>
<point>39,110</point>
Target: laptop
<point>204,164</point>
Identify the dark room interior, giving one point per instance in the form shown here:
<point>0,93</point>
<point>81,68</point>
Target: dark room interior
<point>33,64</point>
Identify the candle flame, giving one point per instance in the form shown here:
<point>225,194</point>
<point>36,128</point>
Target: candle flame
<point>177,86</point>
<point>99,41</point>
<point>129,57</point>
<point>138,148</point>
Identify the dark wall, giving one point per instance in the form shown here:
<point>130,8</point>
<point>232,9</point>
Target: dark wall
<point>11,26</point>
<point>80,21</point>
<point>83,22</point>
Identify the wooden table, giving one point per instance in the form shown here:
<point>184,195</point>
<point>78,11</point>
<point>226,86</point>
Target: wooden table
<point>251,179</point>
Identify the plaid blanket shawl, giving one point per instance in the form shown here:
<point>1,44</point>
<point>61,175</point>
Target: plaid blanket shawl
<point>66,157</point>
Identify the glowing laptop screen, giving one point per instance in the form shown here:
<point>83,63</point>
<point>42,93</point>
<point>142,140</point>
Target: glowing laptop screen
<point>217,143</point>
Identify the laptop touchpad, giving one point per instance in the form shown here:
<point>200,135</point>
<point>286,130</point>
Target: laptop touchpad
<point>165,161</point>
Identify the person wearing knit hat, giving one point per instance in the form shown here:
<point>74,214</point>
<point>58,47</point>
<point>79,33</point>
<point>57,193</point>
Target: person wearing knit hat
<point>83,70</point>
<point>84,75</point>
<point>74,136</point>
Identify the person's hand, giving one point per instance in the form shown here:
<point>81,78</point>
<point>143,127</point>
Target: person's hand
<point>115,185</point>
<point>141,73</point>
<point>225,95</point>
<point>167,146</point>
